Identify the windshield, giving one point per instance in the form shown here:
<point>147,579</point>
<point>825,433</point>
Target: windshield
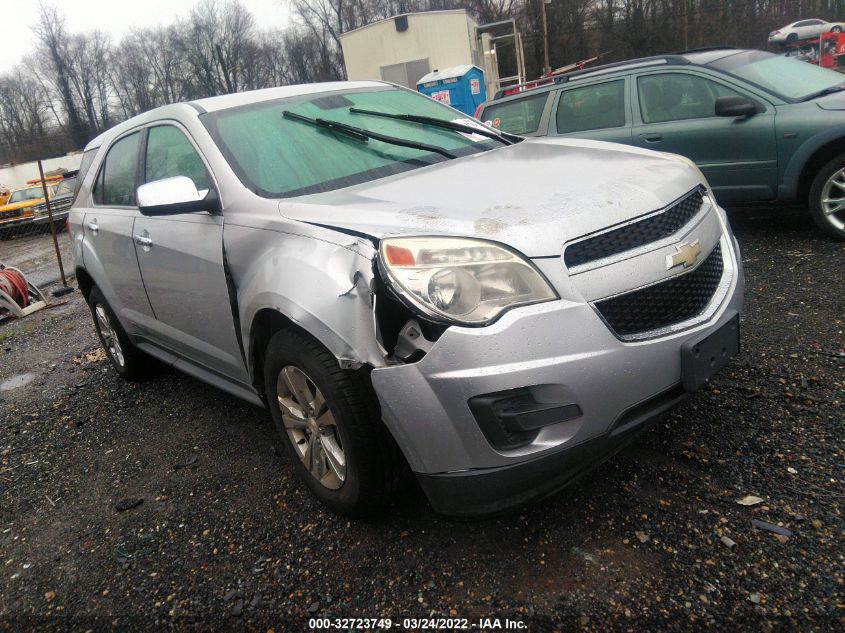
<point>786,77</point>
<point>278,156</point>
<point>65,187</point>
<point>30,193</point>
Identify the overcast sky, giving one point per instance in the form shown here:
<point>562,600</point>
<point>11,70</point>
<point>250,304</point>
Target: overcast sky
<point>113,16</point>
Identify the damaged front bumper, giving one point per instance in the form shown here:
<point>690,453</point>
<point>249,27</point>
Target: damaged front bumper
<point>575,392</point>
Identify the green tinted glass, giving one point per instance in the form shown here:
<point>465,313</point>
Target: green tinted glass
<point>280,157</point>
<point>170,154</point>
<point>520,116</point>
<point>679,96</point>
<point>594,107</point>
<point>117,185</point>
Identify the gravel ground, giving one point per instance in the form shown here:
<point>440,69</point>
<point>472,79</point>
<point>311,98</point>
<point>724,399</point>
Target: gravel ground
<point>32,251</point>
<point>221,535</point>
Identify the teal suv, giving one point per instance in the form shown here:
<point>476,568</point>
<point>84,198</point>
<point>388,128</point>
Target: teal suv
<point>760,126</point>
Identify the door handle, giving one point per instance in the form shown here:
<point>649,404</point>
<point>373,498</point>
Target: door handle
<point>144,241</point>
<point>651,138</point>
<point>93,227</point>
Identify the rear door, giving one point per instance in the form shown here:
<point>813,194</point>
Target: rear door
<point>675,111</point>
<point>600,110</point>
<point>181,262</point>
<point>107,227</point>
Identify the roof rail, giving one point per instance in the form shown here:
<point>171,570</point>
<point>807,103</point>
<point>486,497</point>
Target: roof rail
<point>706,49</point>
<point>545,82</point>
<point>628,63</point>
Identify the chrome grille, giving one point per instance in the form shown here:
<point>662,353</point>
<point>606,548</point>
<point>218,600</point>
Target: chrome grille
<point>639,233</point>
<point>667,303</point>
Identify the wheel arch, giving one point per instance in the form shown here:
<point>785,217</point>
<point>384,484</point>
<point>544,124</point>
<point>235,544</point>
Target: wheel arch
<point>808,159</point>
<point>84,281</point>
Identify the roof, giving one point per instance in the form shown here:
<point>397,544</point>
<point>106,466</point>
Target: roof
<point>213,104</point>
<point>447,73</point>
<point>223,102</point>
<point>393,17</point>
<point>699,57</point>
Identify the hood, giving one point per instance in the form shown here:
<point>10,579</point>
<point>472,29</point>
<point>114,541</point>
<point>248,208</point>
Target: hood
<point>23,204</point>
<point>533,196</point>
<point>835,101</point>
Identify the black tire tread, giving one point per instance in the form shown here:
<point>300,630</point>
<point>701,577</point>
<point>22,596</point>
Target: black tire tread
<point>382,468</point>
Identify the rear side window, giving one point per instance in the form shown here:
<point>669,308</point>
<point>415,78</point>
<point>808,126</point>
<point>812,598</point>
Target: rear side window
<point>169,154</point>
<point>116,183</point>
<point>84,166</point>
<point>594,107</point>
<point>520,116</point>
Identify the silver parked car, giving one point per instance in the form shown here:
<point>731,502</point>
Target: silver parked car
<point>406,290</point>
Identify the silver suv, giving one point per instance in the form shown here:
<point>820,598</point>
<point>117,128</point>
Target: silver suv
<point>406,290</point>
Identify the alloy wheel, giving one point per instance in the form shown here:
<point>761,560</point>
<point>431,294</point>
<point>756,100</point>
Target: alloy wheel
<point>833,200</point>
<point>112,343</point>
<point>311,427</point>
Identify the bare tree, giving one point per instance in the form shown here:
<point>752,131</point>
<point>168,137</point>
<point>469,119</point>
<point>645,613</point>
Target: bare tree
<point>51,32</point>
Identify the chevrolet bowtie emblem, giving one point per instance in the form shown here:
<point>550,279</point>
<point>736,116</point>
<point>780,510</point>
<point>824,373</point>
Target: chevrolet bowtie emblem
<point>686,254</point>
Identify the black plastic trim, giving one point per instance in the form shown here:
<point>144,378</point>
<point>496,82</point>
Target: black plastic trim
<point>493,490</point>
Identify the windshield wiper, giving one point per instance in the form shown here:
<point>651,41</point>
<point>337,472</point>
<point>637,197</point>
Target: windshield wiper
<point>446,125</point>
<point>361,134</point>
<point>826,91</point>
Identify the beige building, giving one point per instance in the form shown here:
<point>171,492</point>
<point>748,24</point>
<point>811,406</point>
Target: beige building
<point>403,48</point>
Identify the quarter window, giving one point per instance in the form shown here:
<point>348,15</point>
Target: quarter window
<point>116,184</point>
<point>169,154</point>
<point>520,116</point>
<point>678,96</point>
<point>594,107</point>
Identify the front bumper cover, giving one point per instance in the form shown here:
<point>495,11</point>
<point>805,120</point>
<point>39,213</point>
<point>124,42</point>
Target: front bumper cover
<point>564,353</point>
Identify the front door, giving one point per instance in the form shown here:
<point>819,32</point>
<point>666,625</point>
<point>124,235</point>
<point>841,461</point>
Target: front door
<point>676,112</point>
<point>181,262</point>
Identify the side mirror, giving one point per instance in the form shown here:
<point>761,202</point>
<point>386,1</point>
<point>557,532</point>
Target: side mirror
<point>171,196</point>
<point>736,106</point>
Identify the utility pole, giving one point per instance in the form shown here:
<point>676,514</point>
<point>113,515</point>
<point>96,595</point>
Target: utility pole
<point>546,67</point>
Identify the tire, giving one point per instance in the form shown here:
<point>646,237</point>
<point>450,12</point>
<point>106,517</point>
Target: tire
<point>791,38</point>
<point>836,29</point>
<point>353,464</point>
<point>829,185</point>
<point>130,362</point>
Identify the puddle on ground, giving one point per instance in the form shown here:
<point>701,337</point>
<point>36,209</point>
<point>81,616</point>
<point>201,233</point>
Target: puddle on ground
<point>15,382</point>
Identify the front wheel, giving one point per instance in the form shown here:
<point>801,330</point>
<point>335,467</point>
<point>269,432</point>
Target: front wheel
<point>827,198</point>
<point>328,419</point>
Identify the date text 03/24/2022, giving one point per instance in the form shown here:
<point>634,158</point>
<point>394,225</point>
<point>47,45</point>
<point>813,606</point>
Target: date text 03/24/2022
<point>417,624</point>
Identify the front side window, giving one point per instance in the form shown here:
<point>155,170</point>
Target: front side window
<point>678,96</point>
<point>593,107</point>
<point>116,184</point>
<point>520,116</point>
<point>170,154</point>
<point>278,156</point>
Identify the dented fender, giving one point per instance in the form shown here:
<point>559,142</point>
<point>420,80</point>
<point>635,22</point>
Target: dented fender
<point>322,286</point>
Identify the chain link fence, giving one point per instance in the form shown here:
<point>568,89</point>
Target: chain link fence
<point>33,232</point>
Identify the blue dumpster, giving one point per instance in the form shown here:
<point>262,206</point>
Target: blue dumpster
<point>461,87</point>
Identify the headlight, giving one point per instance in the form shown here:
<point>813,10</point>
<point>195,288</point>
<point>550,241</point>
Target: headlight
<point>463,281</point>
